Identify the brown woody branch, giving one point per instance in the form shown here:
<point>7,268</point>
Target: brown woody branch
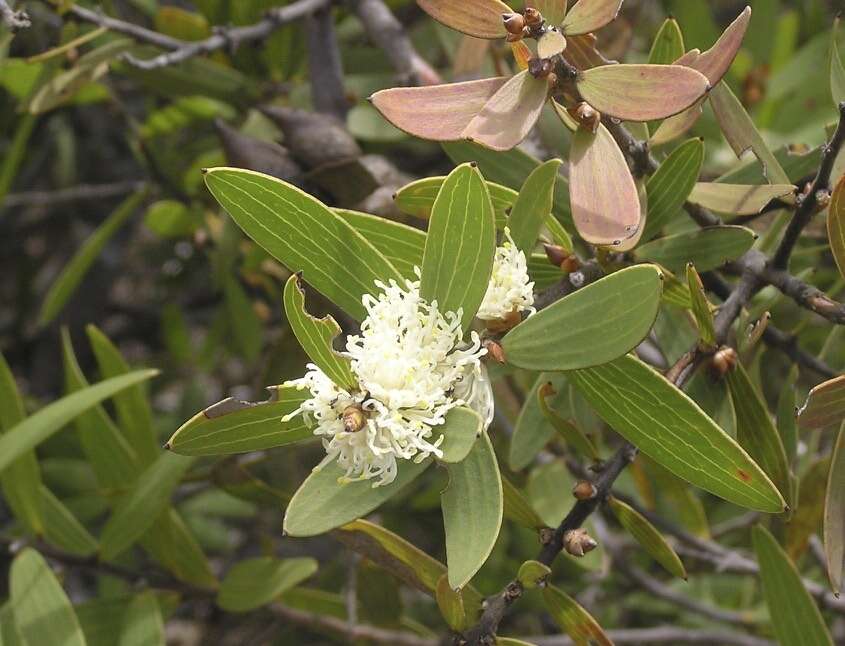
<point>664,635</point>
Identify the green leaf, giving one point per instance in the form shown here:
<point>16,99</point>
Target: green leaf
<point>52,418</point>
<point>451,604</point>
<point>316,336</point>
<point>171,543</point>
<point>10,634</point>
<point>517,508</point>
<point>707,248</point>
<point>14,154</point>
<point>149,497</point>
<point>648,537</point>
<point>417,198</point>
<point>668,45</point>
<point>596,324</point>
<point>837,70</point>
<point>532,430</point>
<point>590,16</point>
<point>460,245</point>
<point>509,169</point>
<point>554,11</point>
<point>834,515</point>
<point>701,308</point>
<point>142,622</point>
<point>131,405</point>
<point>244,323</point>
<point>62,528</point>
<point>742,134</point>
<point>461,429</point>
<point>756,432</point>
<point>570,433</point>
<point>533,574</point>
<point>671,429</point>
<point>171,219</point>
<point>836,225</point>
<point>323,502</point>
<point>43,613</point>
<point>825,405</point>
<point>22,480</point>
<point>233,426</point>
<point>671,184</point>
<point>573,619</point>
<point>111,457</point>
<point>73,273</point>
<point>402,245</point>
<point>738,199</point>
<point>472,512</point>
<point>258,581</point>
<point>533,206</point>
<point>302,233</point>
<point>795,618</point>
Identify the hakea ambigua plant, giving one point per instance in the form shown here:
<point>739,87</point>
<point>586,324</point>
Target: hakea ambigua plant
<point>585,89</point>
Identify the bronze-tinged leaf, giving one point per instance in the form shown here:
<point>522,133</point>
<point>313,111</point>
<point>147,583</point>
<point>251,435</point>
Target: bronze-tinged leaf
<point>836,225</point>
<point>437,112</point>
<point>590,15</point>
<point>715,62</point>
<point>554,11</point>
<point>825,405</point>
<point>521,54</point>
<point>479,18</point>
<point>834,515</point>
<point>737,199</point>
<point>675,126</point>
<point>507,118</point>
<point>641,92</point>
<point>602,193</point>
<point>551,43</point>
<point>583,53</point>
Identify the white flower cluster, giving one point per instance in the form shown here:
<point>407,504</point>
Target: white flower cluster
<point>510,289</point>
<point>412,369</point>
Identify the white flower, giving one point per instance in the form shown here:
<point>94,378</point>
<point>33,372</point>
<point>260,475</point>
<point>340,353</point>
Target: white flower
<point>510,289</point>
<point>412,368</point>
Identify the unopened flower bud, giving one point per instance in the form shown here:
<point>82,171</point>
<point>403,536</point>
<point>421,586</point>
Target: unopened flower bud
<point>354,419</point>
<point>495,350</point>
<point>508,321</point>
<point>514,23</point>
<point>578,542</point>
<point>533,18</point>
<point>584,490</point>
<point>559,257</point>
<point>540,67</point>
<point>723,361</point>
<point>547,390</point>
<point>586,116</point>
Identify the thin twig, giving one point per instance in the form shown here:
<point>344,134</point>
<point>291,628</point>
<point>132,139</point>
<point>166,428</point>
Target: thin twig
<point>14,20</point>
<point>73,194</point>
<point>223,37</point>
<point>662,635</point>
<point>353,633</point>
<point>814,200</point>
<point>388,34</point>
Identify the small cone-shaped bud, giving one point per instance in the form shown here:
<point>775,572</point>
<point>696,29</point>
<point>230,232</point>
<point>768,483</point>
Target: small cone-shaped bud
<point>495,351</point>
<point>514,23</point>
<point>560,257</point>
<point>533,18</point>
<point>354,419</point>
<point>586,115</point>
<point>511,320</point>
<point>547,390</point>
<point>546,535</point>
<point>584,490</point>
<point>578,542</point>
<point>723,361</point>
<point>540,67</point>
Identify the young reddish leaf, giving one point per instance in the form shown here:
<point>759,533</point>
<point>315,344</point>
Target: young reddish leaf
<point>715,62</point>
<point>521,54</point>
<point>603,196</point>
<point>551,43</point>
<point>479,18</point>
<point>677,125</point>
<point>436,112</point>
<point>509,115</point>
<point>554,11</point>
<point>825,405</point>
<point>641,92</point>
<point>582,52</point>
<point>590,15</point>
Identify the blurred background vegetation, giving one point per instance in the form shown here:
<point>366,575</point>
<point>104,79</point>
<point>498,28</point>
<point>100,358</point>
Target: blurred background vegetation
<point>105,221</point>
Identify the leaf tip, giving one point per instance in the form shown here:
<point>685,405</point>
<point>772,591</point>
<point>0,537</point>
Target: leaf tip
<point>203,170</point>
<point>168,446</point>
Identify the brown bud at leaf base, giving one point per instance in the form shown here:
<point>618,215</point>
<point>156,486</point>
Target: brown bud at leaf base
<point>559,257</point>
<point>540,67</point>
<point>578,542</point>
<point>354,419</point>
<point>584,490</point>
<point>514,23</point>
<point>533,18</point>
<point>511,320</point>
<point>495,351</point>
<point>586,115</point>
<point>723,362</point>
